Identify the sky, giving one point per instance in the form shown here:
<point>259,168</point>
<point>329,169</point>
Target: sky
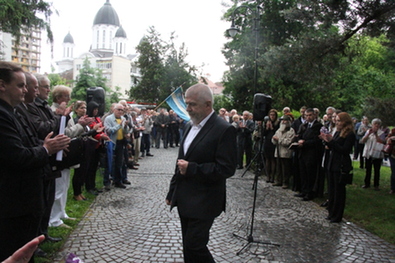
<point>198,24</point>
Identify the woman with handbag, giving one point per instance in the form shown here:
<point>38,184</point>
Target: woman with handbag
<point>391,157</point>
<point>339,164</point>
<point>374,140</point>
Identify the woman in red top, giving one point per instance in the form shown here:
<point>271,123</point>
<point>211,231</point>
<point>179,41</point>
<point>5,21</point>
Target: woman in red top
<point>99,137</point>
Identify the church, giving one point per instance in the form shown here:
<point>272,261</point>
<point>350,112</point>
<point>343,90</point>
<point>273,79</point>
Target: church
<point>107,52</point>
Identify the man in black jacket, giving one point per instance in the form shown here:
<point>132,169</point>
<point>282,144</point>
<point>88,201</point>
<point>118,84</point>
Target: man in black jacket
<point>310,153</point>
<point>46,121</point>
<point>22,159</point>
<point>206,158</point>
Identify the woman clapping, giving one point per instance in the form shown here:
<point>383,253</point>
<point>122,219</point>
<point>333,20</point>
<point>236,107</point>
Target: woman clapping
<point>339,163</point>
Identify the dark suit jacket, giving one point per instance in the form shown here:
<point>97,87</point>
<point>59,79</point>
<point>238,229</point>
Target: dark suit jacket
<point>43,118</point>
<point>201,192</point>
<point>312,147</point>
<point>340,149</point>
<point>45,121</point>
<point>21,163</point>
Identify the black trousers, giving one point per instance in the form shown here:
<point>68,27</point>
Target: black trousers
<point>376,164</point>
<point>336,196</point>
<point>195,236</point>
<point>16,232</point>
<point>49,196</point>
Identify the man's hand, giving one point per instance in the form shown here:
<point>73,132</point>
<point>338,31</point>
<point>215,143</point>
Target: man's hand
<point>182,166</point>
<point>54,145</point>
<point>168,202</point>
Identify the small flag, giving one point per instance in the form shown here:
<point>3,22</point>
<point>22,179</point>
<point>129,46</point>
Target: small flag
<point>177,104</point>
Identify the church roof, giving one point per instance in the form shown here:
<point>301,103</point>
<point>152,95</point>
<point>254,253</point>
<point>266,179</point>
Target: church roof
<point>120,32</point>
<point>106,15</point>
<point>68,39</point>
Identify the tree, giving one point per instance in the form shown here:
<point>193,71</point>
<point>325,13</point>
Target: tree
<point>17,15</point>
<point>150,62</point>
<point>56,79</point>
<point>92,77</point>
<point>177,72</point>
<point>163,68</point>
<point>303,48</point>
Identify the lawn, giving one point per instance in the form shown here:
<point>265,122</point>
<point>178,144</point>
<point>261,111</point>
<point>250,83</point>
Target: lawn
<point>370,209</point>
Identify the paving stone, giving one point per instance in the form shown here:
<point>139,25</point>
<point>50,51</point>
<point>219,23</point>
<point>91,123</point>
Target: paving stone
<point>135,225</point>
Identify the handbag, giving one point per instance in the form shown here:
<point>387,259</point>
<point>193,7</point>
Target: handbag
<point>346,177</point>
<point>74,155</point>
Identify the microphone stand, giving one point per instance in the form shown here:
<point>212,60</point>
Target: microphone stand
<point>258,169</point>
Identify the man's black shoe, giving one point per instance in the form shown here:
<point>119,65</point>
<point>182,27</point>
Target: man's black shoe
<point>300,195</point>
<point>126,182</point>
<point>53,239</point>
<point>148,154</point>
<point>93,192</point>
<point>98,190</point>
<point>40,253</point>
<point>120,185</point>
<point>324,204</point>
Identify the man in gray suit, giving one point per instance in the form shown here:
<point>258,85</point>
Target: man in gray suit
<point>206,158</point>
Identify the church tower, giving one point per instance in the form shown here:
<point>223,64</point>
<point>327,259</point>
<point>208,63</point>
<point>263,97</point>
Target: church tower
<point>120,40</point>
<point>68,46</point>
<point>105,25</point>
<point>68,54</point>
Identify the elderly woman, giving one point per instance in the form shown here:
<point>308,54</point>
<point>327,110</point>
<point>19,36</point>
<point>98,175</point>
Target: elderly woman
<point>271,126</point>
<point>282,139</point>
<point>339,162</point>
<point>373,139</point>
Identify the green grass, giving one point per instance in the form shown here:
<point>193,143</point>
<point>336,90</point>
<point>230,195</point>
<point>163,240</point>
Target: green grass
<point>76,209</point>
<point>370,209</point>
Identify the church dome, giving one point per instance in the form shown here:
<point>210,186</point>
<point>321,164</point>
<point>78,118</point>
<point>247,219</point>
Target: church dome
<point>120,32</point>
<point>106,15</point>
<point>68,39</point>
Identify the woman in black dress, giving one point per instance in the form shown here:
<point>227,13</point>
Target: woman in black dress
<point>340,145</point>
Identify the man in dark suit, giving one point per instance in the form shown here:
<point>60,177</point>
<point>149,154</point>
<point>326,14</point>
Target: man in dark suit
<point>309,153</point>
<point>207,157</point>
<point>244,141</point>
<point>22,159</point>
<point>295,159</point>
<point>46,121</point>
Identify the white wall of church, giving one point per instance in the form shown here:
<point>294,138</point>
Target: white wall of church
<point>103,37</point>
<point>121,75</point>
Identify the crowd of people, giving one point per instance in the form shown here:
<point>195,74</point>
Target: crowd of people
<point>33,136</point>
<point>302,154</point>
<point>306,153</point>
